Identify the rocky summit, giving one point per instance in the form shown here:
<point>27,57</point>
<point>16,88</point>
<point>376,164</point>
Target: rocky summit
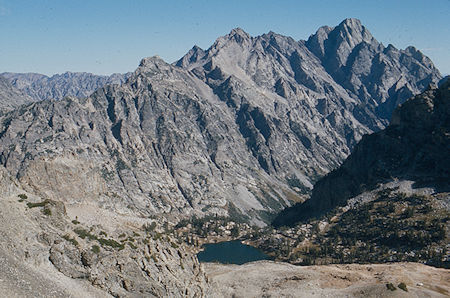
<point>243,128</point>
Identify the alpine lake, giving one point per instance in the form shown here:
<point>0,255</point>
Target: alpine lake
<point>230,252</point>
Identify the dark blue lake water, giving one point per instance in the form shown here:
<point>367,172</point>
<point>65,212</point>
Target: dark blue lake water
<point>230,252</point>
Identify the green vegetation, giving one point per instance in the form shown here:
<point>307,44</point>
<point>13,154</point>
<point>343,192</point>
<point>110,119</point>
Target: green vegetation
<point>392,228</point>
<point>71,240</point>
<point>40,204</point>
<point>110,242</point>
<point>95,249</point>
<point>22,197</point>
<point>402,286</point>
<point>390,287</point>
<point>47,211</point>
<point>75,222</point>
<point>83,234</point>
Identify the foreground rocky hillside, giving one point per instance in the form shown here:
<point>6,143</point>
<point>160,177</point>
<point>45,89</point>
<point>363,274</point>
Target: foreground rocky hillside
<point>78,84</point>
<point>413,147</point>
<point>45,251</point>
<point>270,279</point>
<point>241,129</point>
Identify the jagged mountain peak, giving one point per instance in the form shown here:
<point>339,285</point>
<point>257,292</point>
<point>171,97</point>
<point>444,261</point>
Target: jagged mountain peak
<point>351,23</point>
<point>238,33</point>
<point>151,62</point>
<point>334,45</point>
<point>236,36</point>
<point>353,28</point>
<point>192,56</point>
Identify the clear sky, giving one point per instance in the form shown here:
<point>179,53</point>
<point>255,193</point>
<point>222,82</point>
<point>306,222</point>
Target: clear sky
<point>107,36</point>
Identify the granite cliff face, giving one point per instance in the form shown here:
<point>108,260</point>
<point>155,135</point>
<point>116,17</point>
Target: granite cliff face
<point>413,147</point>
<point>78,84</point>
<point>244,128</point>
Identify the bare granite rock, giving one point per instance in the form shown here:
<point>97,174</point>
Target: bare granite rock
<point>271,279</point>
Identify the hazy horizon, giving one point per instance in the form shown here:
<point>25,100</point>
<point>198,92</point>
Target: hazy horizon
<point>105,37</point>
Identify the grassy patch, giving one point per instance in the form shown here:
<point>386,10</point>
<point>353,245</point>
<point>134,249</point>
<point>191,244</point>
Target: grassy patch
<point>83,234</point>
<point>95,249</point>
<point>40,204</point>
<point>71,240</point>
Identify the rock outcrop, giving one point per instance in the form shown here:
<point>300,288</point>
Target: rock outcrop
<point>413,147</point>
<point>58,86</point>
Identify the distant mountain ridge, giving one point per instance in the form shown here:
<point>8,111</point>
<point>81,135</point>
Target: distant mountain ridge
<point>242,129</point>
<point>11,97</point>
<point>58,86</point>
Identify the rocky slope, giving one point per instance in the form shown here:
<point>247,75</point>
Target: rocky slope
<point>11,97</point>
<point>413,147</point>
<point>58,86</point>
<point>45,251</point>
<point>270,279</point>
<point>243,128</point>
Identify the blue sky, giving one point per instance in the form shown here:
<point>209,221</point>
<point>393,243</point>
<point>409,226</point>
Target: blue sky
<point>107,36</point>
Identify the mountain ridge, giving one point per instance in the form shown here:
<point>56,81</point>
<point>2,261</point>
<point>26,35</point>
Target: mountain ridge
<point>244,128</point>
<point>411,148</point>
<point>57,86</point>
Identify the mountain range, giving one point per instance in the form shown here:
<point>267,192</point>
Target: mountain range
<point>97,171</point>
<point>78,84</point>
<point>244,128</point>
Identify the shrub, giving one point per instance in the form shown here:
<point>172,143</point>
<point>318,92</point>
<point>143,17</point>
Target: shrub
<point>40,204</point>
<point>391,287</point>
<point>22,197</point>
<point>402,286</point>
<point>71,240</point>
<point>47,211</point>
<point>95,249</point>
<point>84,234</point>
<point>110,242</point>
